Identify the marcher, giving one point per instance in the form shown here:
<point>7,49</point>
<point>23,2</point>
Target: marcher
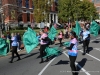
<point>72,52</point>
<point>43,45</point>
<point>60,37</point>
<point>86,40</point>
<point>14,48</point>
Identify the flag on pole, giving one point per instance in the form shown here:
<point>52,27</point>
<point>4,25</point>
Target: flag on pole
<point>52,33</point>
<point>94,28</point>
<point>3,47</point>
<point>67,44</point>
<point>30,40</point>
<point>77,29</point>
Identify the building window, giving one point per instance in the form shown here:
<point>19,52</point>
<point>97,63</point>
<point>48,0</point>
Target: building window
<point>96,1</point>
<point>19,3</point>
<point>20,18</point>
<point>98,8</point>
<point>27,3</point>
<point>28,16</point>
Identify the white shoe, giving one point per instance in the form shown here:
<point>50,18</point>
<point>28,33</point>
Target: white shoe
<point>18,50</point>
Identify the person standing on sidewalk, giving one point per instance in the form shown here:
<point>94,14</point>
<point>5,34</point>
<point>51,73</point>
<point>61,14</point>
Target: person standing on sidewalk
<point>72,52</point>
<point>14,48</point>
<point>86,40</point>
<point>19,41</point>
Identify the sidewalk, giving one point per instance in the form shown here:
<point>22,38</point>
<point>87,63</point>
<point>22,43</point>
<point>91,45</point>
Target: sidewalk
<point>23,50</point>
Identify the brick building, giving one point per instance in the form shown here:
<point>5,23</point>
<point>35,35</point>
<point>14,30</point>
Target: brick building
<point>97,5</point>
<point>21,11</point>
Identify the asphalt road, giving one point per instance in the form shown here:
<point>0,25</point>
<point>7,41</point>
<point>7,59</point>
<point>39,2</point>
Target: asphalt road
<point>88,64</point>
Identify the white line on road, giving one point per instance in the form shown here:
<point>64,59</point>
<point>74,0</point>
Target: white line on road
<point>91,56</point>
<point>79,66</point>
<point>46,66</point>
<point>90,41</point>
<point>98,49</point>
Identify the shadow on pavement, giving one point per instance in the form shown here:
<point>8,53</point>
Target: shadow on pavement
<point>17,57</point>
<point>62,62</point>
<point>30,55</point>
<point>38,56</point>
<point>81,63</point>
<point>96,41</point>
<point>90,49</point>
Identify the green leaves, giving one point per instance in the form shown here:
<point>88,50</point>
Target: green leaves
<point>76,9</point>
<point>41,10</point>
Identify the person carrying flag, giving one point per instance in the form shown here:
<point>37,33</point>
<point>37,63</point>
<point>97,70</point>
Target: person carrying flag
<point>43,44</point>
<point>86,40</point>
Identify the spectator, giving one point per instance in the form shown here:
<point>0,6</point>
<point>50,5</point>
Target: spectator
<point>19,41</point>
<point>38,36</point>
<point>60,37</point>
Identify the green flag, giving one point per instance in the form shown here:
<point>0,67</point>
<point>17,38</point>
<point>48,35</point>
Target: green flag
<point>77,28</point>
<point>51,51</point>
<point>52,33</point>
<point>30,40</point>
<point>3,47</point>
<point>94,28</point>
<point>67,44</point>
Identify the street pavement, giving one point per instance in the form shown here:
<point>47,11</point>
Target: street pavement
<point>88,64</point>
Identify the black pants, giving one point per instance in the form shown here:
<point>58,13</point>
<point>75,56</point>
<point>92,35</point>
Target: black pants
<point>72,64</point>
<point>42,51</point>
<point>60,40</point>
<point>85,45</point>
<point>14,50</point>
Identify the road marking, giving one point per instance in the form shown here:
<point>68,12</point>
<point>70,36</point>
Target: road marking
<point>90,41</point>
<point>91,56</point>
<point>79,66</point>
<point>98,49</point>
<point>46,66</point>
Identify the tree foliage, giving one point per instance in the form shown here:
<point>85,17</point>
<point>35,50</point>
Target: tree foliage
<point>76,9</point>
<point>41,9</point>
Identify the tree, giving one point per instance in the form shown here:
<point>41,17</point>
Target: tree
<point>88,10</point>
<point>41,9</point>
<point>76,9</point>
